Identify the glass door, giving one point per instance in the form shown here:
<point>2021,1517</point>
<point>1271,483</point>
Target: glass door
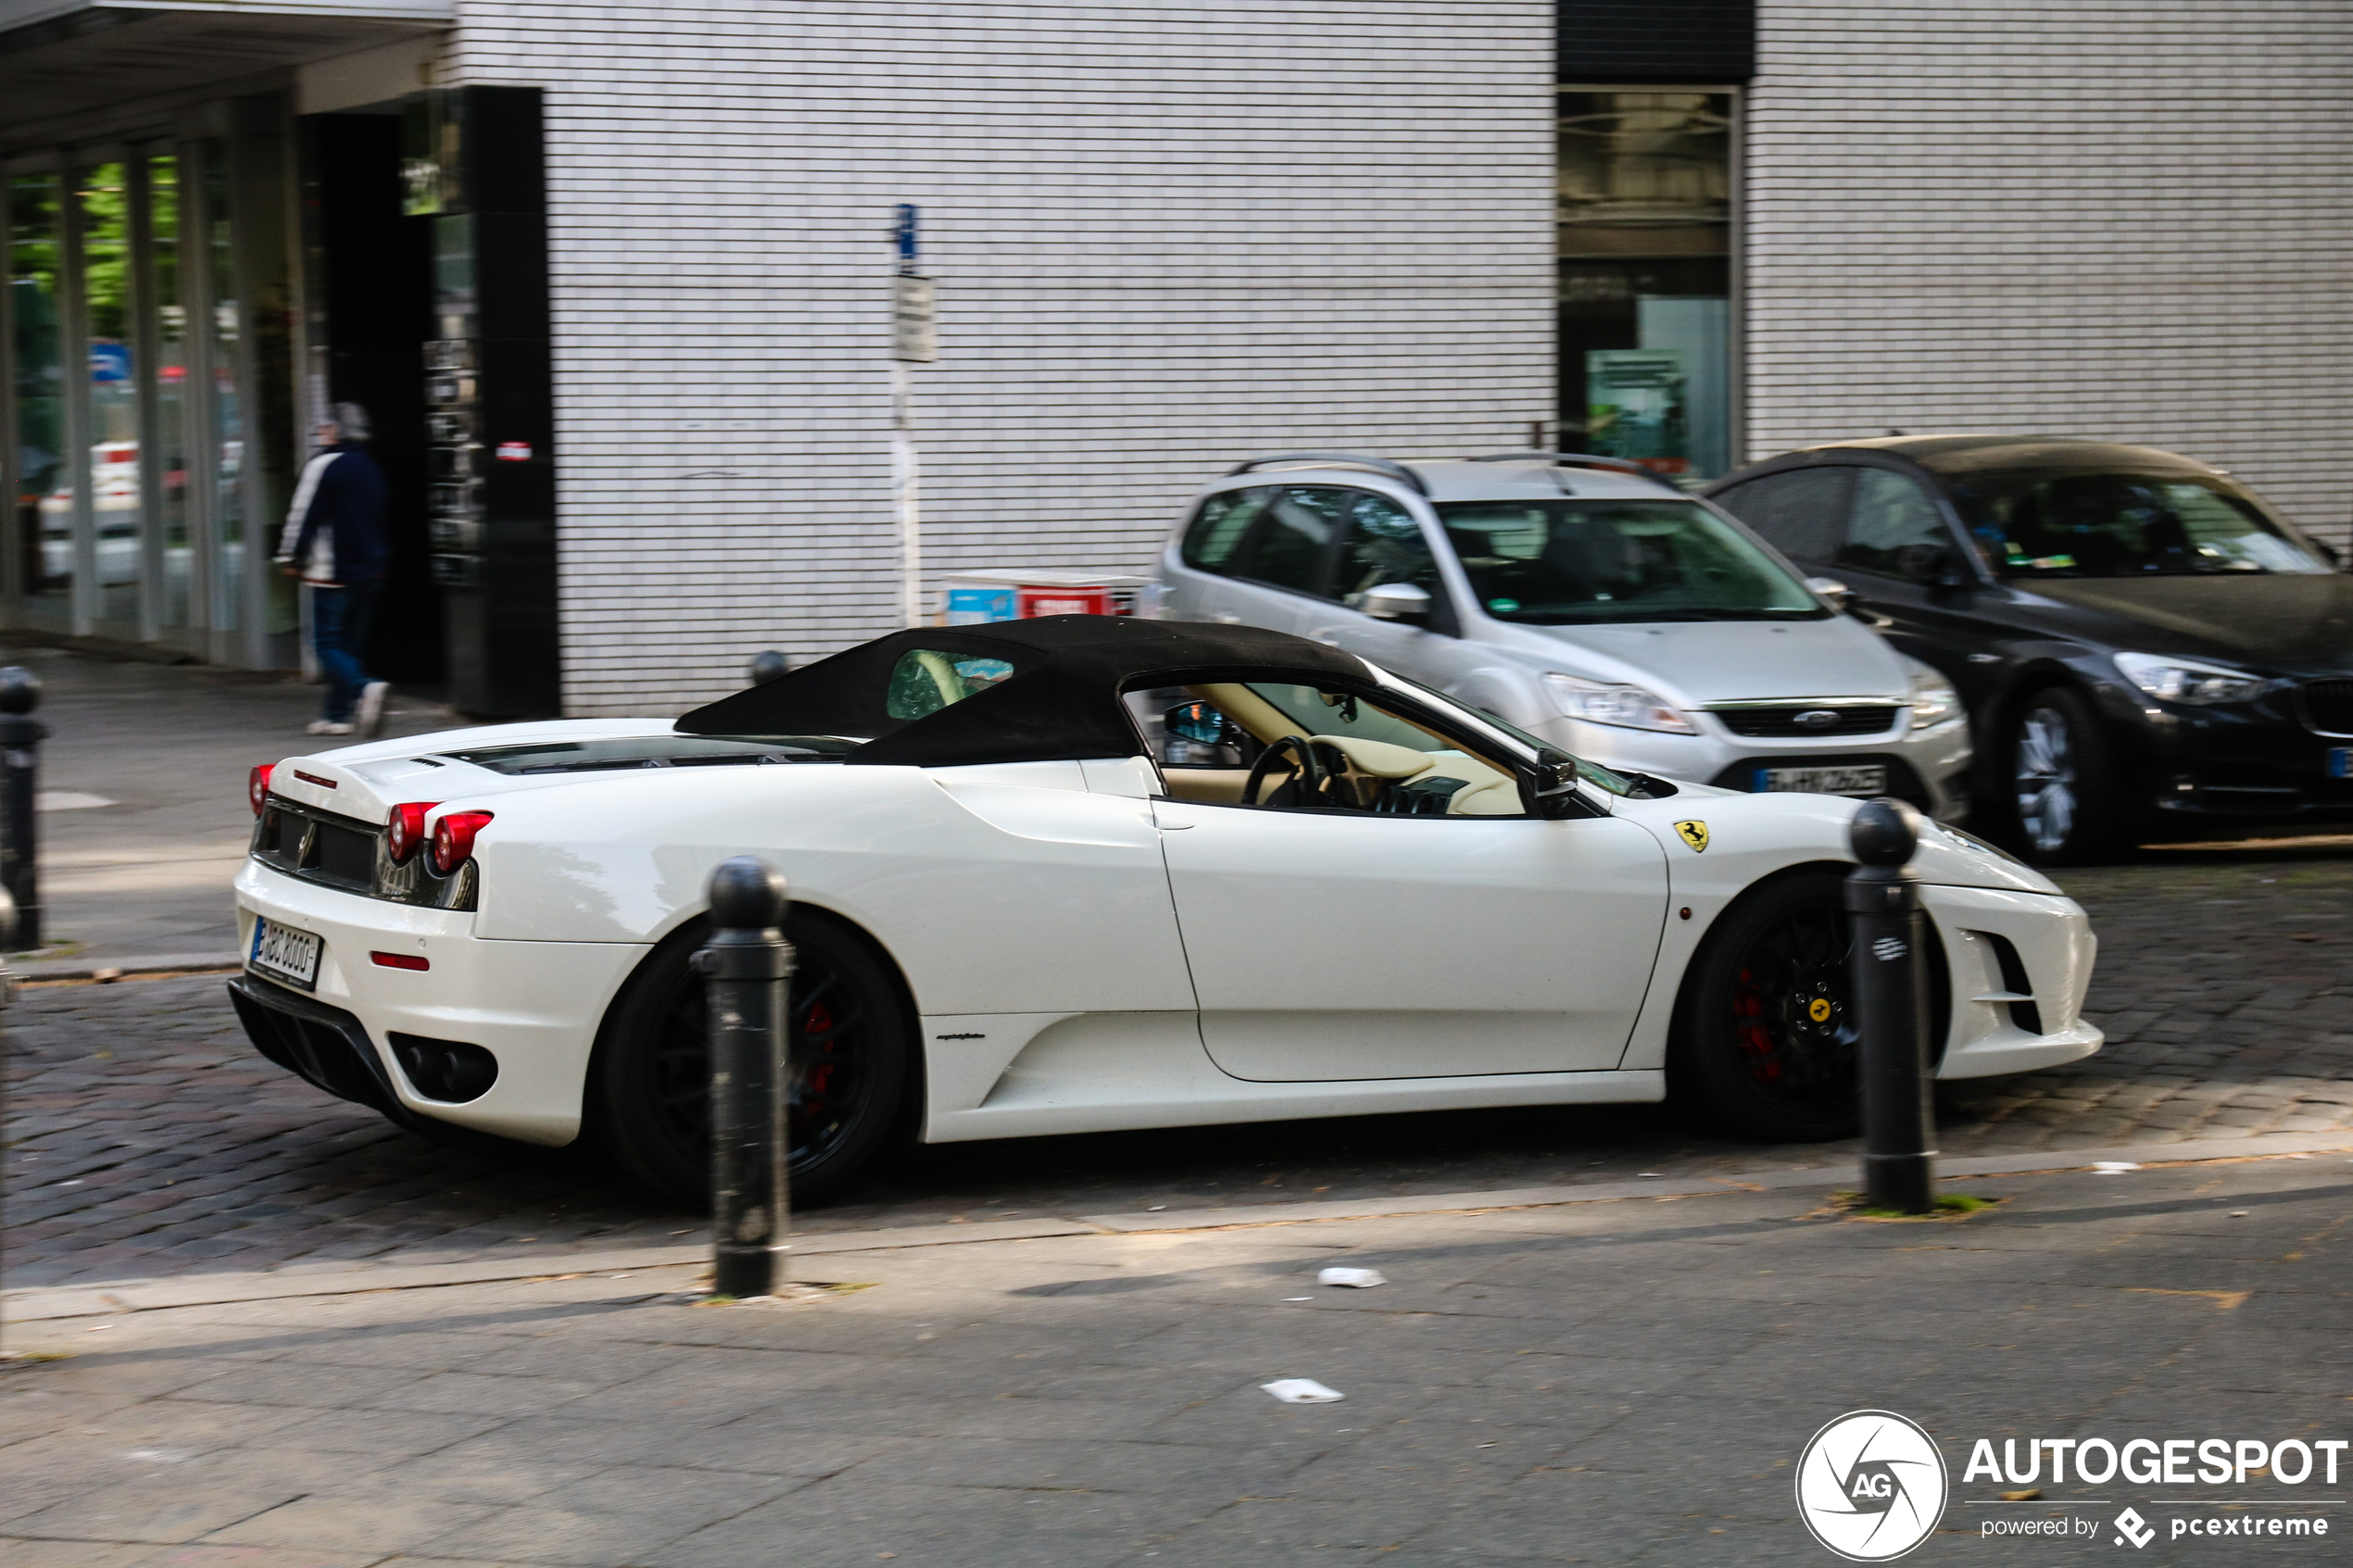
<point>111,548</point>
<point>173,557</point>
<point>43,501</point>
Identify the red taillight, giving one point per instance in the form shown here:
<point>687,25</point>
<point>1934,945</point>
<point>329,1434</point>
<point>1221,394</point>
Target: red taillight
<point>257,784</point>
<point>453,840</point>
<point>405,833</point>
<point>401,961</point>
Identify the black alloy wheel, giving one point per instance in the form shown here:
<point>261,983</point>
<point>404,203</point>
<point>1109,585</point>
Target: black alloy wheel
<point>845,1074</point>
<point>2060,784</point>
<point>1765,1034</point>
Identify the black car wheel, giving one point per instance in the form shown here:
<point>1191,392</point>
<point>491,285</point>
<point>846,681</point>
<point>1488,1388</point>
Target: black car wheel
<point>848,1052</point>
<point>1765,1037</point>
<point>2059,780</point>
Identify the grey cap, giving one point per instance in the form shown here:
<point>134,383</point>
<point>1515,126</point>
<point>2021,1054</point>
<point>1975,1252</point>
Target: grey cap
<point>350,420</point>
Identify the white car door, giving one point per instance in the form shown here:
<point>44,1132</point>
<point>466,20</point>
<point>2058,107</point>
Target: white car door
<point>1331,945</point>
<point>1373,942</point>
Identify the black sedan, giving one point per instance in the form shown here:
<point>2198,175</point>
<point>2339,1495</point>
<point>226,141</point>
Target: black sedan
<point>2146,649</point>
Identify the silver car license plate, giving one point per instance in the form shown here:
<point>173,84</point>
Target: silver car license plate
<point>1865,779</point>
<point>283,953</point>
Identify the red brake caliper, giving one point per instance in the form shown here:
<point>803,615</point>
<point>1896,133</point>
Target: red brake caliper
<point>1749,1033</point>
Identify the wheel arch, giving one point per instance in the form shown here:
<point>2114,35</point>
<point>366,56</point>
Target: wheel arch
<point>691,931</point>
<point>1681,1024</point>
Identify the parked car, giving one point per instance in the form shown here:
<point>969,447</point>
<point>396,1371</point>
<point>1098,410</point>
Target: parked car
<point>1012,918</point>
<point>1584,601</point>
<point>2147,650</point>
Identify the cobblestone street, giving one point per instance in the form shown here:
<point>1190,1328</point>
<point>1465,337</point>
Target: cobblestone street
<point>145,1137</point>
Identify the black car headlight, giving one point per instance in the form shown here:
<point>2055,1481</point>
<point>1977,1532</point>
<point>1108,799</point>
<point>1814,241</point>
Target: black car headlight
<point>2187,681</point>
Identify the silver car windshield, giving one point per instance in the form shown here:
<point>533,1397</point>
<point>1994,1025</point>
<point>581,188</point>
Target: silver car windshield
<point>1566,562</point>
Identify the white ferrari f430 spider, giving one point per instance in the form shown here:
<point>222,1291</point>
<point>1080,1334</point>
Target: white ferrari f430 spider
<point>1089,873</point>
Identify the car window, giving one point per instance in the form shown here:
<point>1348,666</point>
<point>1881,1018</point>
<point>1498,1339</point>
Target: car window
<point>1563,562</point>
<point>1801,512</point>
<point>926,679</point>
<point>1383,543</point>
<point>1291,544</point>
<point>1220,523</point>
<point>1208,739</point>
<point>1894,528</point>
<point>2108,524</point>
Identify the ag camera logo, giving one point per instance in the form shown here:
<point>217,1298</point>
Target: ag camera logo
<point>1871,1486</point>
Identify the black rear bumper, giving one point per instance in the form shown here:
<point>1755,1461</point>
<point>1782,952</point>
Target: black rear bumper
<point>326,1045</point>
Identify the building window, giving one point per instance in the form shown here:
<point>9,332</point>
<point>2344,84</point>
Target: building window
<point>1646,245</point>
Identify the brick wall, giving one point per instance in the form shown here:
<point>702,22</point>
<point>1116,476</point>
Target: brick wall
<point>1166,235</point>
<point>2129,221</point>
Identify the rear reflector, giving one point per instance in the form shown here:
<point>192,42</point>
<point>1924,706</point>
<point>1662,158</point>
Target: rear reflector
<point>401,961</point>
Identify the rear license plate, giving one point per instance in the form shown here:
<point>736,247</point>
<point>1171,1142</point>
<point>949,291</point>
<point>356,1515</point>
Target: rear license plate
<point>2341,761</point>
<point>1867,780</point>
<point>283,953</point>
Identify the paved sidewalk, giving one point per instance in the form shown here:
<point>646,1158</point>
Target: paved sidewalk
<point>1617,1382</point>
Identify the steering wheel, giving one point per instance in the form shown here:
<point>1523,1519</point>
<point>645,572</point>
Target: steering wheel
<point>1306,772</point>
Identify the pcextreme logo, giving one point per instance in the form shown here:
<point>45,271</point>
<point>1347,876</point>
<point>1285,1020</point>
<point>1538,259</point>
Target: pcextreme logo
<point>1871,1486</point>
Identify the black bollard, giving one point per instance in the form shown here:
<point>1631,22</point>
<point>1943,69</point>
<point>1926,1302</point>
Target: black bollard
<point>21,738</point>
<point>746,966</point>
<point>767,665</point>
<point>1890,1009</point>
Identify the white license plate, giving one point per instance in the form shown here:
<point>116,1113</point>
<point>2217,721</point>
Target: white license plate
<point>1867,780</point>
<point>283,953</point>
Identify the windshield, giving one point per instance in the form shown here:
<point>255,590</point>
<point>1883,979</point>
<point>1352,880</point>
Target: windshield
<point>2123,525</point>
<point>1555,563</point>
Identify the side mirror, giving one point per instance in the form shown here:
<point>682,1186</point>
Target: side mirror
<point>1832,592</point>
<point>1950,570</point>
<point>1551,785</point>
<point>1395,601</point>
<point>1196,721</point>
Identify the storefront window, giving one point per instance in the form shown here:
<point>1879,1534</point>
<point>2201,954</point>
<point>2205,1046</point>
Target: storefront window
<point>169,439</point>
<point>228,432</point>
<point>43,501</point>
<point>114,395</point>
<point>1645,218</point>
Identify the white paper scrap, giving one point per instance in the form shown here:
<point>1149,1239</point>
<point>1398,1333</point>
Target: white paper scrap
<point>2113,1166</point>
<point>1362,1279</point>
<point>1302,1391</point>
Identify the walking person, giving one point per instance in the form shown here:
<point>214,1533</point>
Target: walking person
<point>334,541</point>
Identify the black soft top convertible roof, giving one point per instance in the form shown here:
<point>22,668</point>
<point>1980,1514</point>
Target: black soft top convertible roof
<point>1061,702</point>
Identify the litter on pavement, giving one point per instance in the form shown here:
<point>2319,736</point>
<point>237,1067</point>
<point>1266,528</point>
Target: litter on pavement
<point>1302,1391</point>
<point>1363,1279</point>
<point>2113,1166</point>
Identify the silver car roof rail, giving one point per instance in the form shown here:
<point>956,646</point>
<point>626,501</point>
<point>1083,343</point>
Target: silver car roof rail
<point>1381,466</point>
<point>1580,460</point>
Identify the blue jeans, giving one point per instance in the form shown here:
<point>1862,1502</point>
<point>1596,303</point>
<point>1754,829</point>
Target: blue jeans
<point>338,631</point>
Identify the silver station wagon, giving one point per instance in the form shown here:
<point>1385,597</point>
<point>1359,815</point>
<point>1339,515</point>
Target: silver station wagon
<point>1588,603</point>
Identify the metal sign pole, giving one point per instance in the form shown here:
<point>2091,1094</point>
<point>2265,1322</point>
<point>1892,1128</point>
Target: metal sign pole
<point>903,476</point>
<point>914,341</point>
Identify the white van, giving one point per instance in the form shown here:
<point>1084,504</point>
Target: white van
<point>1585,601</point>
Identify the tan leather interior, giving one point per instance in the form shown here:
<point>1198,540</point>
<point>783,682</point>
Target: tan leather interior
<point>1487,791</point>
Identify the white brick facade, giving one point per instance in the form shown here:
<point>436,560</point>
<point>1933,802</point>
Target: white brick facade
<point>2130,222</point>
<point>1166,235</point>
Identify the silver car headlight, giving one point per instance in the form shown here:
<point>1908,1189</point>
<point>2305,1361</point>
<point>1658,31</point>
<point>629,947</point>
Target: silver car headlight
<point>1629,707</point>
<point>2187,681</point>
<point>1933,699</point>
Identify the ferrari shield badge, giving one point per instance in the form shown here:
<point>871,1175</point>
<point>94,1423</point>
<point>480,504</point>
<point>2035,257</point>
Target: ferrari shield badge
<point>1693,834</point>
